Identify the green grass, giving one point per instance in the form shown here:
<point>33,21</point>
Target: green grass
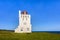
<point>7,35</point>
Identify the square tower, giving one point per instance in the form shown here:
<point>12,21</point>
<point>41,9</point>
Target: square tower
<point>24,23</point>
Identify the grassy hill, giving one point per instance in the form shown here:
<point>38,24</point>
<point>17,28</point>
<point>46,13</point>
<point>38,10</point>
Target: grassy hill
<point>8,35</point>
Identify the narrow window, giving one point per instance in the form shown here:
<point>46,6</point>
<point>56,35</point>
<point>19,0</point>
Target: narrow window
<point>26,18</point>
<point>21,29</point>
<point>27,29</point>
<point>23,17</point>
<point>24,23</point>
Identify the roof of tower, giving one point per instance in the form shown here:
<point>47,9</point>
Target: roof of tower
<point>24,12</point>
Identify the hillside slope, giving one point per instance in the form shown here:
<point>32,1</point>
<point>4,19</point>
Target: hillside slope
<point>8,35</point>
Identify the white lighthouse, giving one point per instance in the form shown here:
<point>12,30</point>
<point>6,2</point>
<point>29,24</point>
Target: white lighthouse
<point>24,23</point>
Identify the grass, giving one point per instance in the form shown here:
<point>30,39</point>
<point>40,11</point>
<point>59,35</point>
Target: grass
<point>8,35</point>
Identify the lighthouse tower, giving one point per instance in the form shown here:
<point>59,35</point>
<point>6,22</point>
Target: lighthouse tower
<point>24,23</point>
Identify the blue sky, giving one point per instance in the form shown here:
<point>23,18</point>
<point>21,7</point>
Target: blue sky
<point>45,14</point>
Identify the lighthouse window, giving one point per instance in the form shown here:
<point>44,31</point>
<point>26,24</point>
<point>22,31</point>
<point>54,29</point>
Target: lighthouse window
<point>21,29</point>
<point>26,18</point>
<point>24,23</point>
<point>23,17</point>
<point>27,29</point>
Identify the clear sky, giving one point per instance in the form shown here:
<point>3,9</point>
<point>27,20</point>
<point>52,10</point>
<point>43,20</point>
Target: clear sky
<point>45,14</point>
